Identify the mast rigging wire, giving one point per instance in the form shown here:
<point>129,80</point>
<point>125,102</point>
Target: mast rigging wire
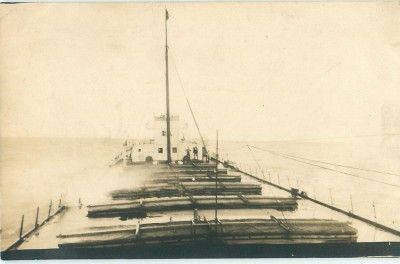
<point>190,108</point>
<point>341,165</point>
<point>326,168</point>
<point>262,172</point>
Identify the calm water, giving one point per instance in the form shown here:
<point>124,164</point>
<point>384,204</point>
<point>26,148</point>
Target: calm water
<point>35,171</point>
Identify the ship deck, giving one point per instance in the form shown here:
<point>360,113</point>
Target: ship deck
<point>74,220</point>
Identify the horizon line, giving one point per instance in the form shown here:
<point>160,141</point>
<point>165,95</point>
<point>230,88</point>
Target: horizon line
<point>228,139</point>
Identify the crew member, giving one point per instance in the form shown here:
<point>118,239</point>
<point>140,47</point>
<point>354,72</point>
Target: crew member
<point>195,153</point>
<point>188,153</point>
<point>204,156</point>
<point>186,158</point>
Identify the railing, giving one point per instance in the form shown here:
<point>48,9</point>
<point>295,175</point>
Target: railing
<point>37,224</point>
<point>253,173</point>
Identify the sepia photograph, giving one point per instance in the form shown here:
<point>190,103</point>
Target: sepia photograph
<point>200,130</point>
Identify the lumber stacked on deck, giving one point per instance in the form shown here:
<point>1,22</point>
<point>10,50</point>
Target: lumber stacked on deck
<point>193,166</point>
<point>183,189</point>
<point>222,188</point>
<point>242,231</point>
<point>101,236</point>
<point>172,178</point>
<point>139,208</point>
<point>192,171</point>
<point>147,192</point>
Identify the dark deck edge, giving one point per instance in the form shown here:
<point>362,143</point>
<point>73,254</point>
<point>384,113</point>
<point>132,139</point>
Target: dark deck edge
<point>203,250</point>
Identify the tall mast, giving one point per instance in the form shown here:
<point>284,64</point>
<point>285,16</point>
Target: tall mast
<point>216,184</point>
<point>167,91</point>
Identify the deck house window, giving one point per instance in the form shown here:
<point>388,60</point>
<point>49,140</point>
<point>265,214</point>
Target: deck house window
<point>174,150</point>
<point>139,150</point>
<point>160,150</point>
<point>164,133</point>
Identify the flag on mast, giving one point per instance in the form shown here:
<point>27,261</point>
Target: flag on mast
<point>166,14</point>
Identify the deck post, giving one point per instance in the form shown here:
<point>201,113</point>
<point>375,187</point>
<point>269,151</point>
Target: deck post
<point>279,181</point>
<point>21,229</point>
<point>351,204</point>
<point>330,194</point>
<point>37,217</point>
<point>373,206</point>
<point>59,203</point>
<point>196,216</point>
<point>288,180</point>
<point>50,205</point>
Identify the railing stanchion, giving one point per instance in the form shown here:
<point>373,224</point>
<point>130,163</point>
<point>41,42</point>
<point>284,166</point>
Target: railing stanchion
<point>37,217</point>
<point>50,205</point>
<point>373,206</point>
<point>351,204</point>
<point>21,229</point>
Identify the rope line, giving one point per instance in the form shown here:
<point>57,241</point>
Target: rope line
<point>262,172</point>
<point>341,165</point>
<point>326,168</point>
<point>188,103</point>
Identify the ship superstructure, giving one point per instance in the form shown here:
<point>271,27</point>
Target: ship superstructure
<point>153,150</point>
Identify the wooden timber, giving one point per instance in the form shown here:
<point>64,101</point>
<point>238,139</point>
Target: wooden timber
<point>231,232</point>
<point>199,166</point>
<point>140,208</point>
<point>184,189</point>
<point>172,178</point>
<point>189,171</point>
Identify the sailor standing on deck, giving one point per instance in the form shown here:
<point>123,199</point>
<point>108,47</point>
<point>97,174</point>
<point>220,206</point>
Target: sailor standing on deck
<point>186,158</point>
<point>188,153</point>
<point>204,156</point>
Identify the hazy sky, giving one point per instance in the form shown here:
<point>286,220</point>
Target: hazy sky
<point>256,71</point>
